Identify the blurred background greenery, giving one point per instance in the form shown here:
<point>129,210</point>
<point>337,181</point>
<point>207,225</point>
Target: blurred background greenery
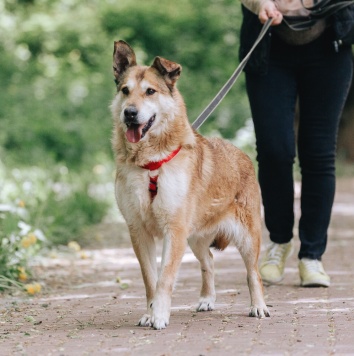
<point>57,85</point>
<point>56,70</point>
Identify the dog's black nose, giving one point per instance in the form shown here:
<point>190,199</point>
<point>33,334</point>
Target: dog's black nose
<point>131,114</point>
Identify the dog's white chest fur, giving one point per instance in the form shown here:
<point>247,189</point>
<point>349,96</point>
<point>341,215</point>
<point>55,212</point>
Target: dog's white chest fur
<point>136,202</point>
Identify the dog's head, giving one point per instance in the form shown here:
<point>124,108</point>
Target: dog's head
<point>146,95</point>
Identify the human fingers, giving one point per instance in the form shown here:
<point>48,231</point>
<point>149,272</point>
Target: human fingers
<point>269,10</point>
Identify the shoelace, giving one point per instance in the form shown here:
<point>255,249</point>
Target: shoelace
<point>313,266</point>
<point>275,254</point>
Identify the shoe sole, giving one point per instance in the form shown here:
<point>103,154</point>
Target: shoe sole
<point>266,281</point>
<point>316,284</point>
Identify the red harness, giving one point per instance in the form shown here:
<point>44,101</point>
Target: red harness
<point>153,166</point>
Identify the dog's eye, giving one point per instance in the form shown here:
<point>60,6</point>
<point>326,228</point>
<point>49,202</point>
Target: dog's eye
<point>125,90</point>
<point>150,91</point>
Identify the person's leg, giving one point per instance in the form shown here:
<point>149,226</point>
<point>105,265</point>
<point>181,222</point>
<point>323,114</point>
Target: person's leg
<point>323,87</point>
<point>272,99</point>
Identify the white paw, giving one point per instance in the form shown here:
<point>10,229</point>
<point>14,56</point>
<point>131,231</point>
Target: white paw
<point>159,323</point>
<point>145,320</point>
<point>259,311</point>
<point>206,304</point>
<point>160,312</point>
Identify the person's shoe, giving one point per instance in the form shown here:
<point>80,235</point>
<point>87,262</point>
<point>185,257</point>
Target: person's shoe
<point>272,265</point>
<point>312,273</point>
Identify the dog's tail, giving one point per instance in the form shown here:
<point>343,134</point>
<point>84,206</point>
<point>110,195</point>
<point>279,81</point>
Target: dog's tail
<point>220,242</point>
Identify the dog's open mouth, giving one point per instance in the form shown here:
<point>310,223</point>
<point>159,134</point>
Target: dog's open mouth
<point>136,132</point>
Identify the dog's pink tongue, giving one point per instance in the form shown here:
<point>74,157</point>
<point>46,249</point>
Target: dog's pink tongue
<point>133,134</point>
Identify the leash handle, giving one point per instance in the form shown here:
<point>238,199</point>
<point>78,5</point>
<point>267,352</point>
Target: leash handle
<point>228,85</point>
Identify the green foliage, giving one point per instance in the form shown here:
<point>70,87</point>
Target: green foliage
<point>19,242</point>
<point>65,218</point>
<point>58,202</point>
<point>55,98</point>
<point>55,70</point>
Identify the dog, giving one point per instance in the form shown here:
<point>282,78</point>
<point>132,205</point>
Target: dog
<point>176,185</point>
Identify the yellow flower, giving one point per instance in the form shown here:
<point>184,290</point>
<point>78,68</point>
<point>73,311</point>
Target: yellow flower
<point>21,204</point>
<point>33,288</point>
<point>33,238</point>
<point>84,255</point>
<point>73,245</point>
<point>37,287</point>
<point>22,275</point>
<point>28,240</point>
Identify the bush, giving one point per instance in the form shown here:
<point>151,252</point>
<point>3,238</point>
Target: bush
<point>57,79</point>
<point>58,202</point>
<point>19,242</point>
<point>64,218</point>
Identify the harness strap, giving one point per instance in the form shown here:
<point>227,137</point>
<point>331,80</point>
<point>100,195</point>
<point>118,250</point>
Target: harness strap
<point>152,166</point>
<point>153,186</point>
<point>154,176</point>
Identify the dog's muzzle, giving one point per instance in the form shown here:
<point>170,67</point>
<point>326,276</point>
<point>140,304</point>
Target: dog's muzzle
<point>135,130</point>
<point>131,116</point>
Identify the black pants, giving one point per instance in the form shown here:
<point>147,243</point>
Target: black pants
<point>320,78</point>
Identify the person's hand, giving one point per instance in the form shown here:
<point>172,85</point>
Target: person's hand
<point>268,9</point>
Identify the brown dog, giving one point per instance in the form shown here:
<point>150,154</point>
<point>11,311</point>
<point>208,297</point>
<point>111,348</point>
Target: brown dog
<point>173,184</point>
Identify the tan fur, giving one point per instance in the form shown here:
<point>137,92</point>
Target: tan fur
<point>207,194</point>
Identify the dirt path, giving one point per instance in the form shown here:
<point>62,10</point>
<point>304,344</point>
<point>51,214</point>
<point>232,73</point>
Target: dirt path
<point>85,311</point>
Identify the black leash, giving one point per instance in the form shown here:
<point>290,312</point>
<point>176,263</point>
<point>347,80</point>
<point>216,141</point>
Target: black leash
<point>228,85</point>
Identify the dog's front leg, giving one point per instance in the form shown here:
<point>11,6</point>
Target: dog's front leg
<point>173,249</point>
<point>145,250</point>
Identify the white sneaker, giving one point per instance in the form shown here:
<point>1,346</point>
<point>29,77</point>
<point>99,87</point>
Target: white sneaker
<point>312,273</point>
<point>273,263</point>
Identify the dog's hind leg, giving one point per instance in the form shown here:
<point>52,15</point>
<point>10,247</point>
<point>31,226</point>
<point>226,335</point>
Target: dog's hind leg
<point>200,248</point>
<point>174,246</point>
<point>145,250</point>
<point>249,247</point>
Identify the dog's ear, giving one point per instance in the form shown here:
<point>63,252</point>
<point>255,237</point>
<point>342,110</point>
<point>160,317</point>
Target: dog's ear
<point>171,71</point>
<point>123,58</point>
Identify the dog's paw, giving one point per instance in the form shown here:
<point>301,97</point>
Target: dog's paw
<point>259,311</point>
<point>160,312</point>
<point>159,323</point>
<point>206,304</point>
<point>145,320</point>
